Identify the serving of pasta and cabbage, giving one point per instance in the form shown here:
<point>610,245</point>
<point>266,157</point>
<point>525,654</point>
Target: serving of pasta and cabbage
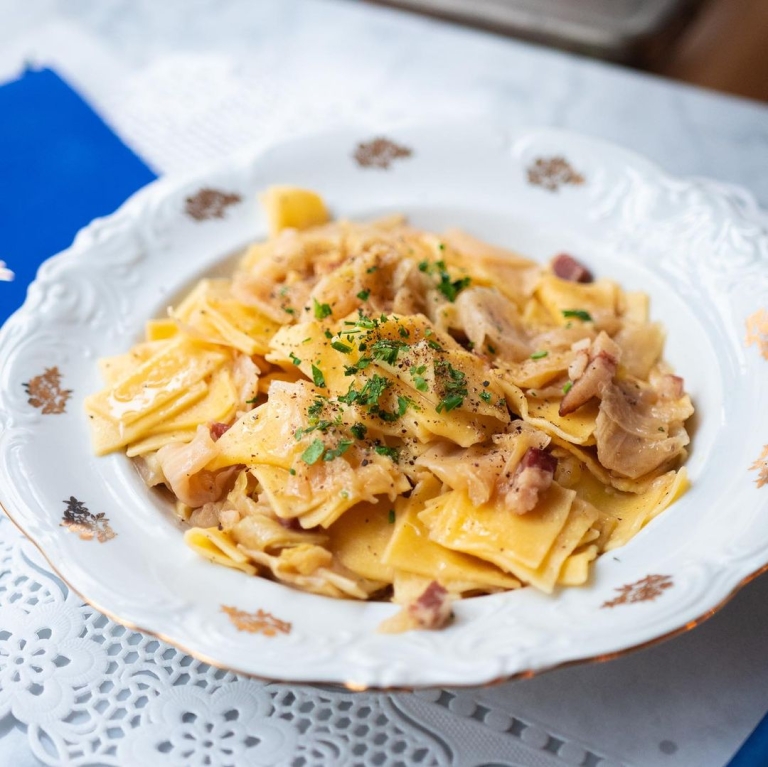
<point>371,411</point>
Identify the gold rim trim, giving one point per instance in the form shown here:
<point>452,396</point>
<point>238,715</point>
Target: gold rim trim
<point>356,686</point>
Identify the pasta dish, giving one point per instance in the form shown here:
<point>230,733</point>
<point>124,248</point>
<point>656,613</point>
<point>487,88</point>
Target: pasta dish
<point>372,411</point>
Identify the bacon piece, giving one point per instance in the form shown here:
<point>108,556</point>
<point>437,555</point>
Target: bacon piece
<point>568,268</point>
<point>217,429</point>
<point>432,609</point>
<point>290,524</point>
<point>533,476</point>
<point>670,387</point>
<point>603,361</point>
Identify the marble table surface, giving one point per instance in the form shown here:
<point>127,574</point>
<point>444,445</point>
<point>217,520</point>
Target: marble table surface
<point>185,83</point>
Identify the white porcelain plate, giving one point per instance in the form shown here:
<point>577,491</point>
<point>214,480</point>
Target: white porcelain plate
<point>699,250</point>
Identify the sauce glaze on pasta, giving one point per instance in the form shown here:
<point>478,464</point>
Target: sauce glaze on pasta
<point>373,411</point>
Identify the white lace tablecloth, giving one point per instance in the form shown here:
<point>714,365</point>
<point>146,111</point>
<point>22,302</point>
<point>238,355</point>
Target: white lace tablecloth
<point>187,82</point>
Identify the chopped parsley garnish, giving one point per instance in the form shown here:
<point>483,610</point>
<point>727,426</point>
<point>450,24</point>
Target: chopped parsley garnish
<point>451,289</point>
<point>328,334</point>
<point>302,431</point>
<point>453,383</point>
<point>451,402</point>
<point>294,359</point>
<point>441,246</point>
<point>391,517</point>
<point>579,314</point>
<point>485,396</point>
<point>289,310</point>
<point>448,287</point>
<point>292,472</point>
<point>402,406</point>
<point>369,395</point>
<point>386,350</point>
<point>361,364</point>
<point>251,401</point>
<point>371,269</point>
<point>314,410</point>
<point>317,376</point>
<point>339,450</point>
<point>365,322</point>
<point>491,349</point>
<point>389,452</point>
<point>434,345</point>
<point>321,310</point>
<point>567,387</point>
<point>359,430</point>
<point>363,295</point>
<point>539,355</point>
<point>313,453</point>
<point>403,332</point>
<point>418,379</point>
<point>341,347</point>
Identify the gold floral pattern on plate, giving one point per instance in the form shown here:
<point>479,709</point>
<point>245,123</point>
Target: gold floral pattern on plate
<point>45,392</point>
<point>380,153</point>
<point>210,203</point>
<point>761,467</point>
<point>644,590</point>
<point>259,622</point>
<point>88,526</point>
<point>757,331</point>
<point>553,172</point>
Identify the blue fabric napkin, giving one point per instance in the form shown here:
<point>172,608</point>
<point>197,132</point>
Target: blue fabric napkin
<point>60,167</point>
<point>754,750</point>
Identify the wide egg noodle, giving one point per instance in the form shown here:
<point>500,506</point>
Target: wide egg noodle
<point>411,550</point>
<point>219,548</point>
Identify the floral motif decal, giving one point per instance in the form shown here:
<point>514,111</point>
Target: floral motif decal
<point>761,467</point>
<point>644,590</point>
<point>757,331</point>
<point>88,526</point>
<point>45,392</point>
<point>553,172</point>
<point>210,203</point>
<point>380,153</point>
<point>260,622</point>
